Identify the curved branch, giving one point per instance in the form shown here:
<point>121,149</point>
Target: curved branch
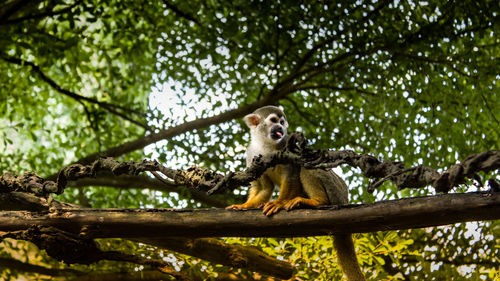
<point>70,248</point>
<point>335,88</point>
<point>27,267</point>
<point>41,15</point>
<point>12,8</point>
<point>112,108</point>
<point>216,251</point>
<point>180,13</point>
<point>429,60</point>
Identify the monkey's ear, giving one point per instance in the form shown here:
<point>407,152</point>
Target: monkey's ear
<point>252,120</point>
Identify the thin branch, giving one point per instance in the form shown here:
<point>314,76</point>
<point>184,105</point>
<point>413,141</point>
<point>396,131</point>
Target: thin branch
<point>143,275</point>
<point>160,265</point>
<point>27,267</point>
<point>492,112</point>
<point>14,201</point>
<point>180,13</point>
<point>376,184</point>
<point>277,42</point>
<point>41,15</point>
<point>304,115</point>
<point>13,7</point>
<point>432,61</point>
<point>112,108</point>
<point>334,88</point>
<point>456,261</point>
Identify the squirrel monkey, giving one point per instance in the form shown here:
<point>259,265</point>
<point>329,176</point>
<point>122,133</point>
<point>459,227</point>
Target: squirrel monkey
<point>298,186</point>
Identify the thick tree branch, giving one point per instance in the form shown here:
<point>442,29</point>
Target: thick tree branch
<point>12,201</point>
<point>70,248</point>
<point>155,223</point>
<point>216,251</point>
<point>210,249</point>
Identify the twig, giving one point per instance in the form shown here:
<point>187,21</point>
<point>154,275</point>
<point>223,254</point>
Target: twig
<point>373,186</point>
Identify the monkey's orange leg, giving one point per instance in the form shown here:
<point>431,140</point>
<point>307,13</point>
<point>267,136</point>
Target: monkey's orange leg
<point>260,192</point>
<point>290,188</point>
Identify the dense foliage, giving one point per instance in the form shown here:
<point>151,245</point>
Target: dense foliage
<point>413,81</point>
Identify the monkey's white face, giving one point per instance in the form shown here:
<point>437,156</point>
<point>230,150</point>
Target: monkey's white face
<point>275,127</point>
<point>268,132</point>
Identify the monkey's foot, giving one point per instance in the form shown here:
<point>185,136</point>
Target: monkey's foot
<point>271,208</point>
<point>241,206</point>
<point>236,207</point>
<point>301,201</point>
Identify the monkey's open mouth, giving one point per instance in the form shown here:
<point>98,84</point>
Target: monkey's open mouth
<point>277,132</point>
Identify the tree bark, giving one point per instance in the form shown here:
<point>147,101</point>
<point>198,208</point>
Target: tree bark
<point>141,223</point>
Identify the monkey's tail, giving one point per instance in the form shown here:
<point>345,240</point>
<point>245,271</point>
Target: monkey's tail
<point>347,257</point>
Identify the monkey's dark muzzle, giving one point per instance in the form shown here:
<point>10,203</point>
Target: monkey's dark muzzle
<point>277,132</point>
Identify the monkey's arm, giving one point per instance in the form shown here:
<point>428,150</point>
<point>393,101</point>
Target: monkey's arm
<point>260,192</point>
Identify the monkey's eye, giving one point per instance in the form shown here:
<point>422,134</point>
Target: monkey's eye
<point>274,120</point>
